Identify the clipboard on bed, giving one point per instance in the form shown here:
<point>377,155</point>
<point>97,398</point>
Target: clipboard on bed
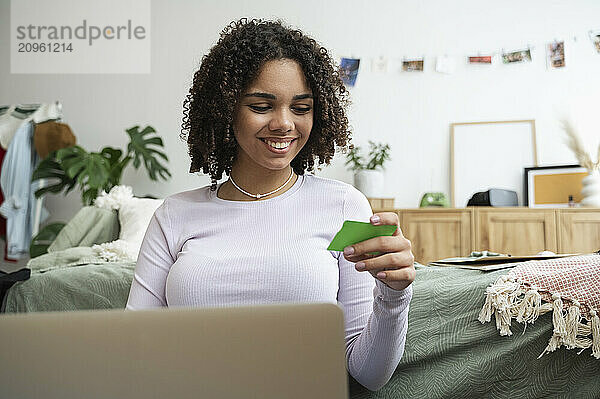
<point>495,262</point>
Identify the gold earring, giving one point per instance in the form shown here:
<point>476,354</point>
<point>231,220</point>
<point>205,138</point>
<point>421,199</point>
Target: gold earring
<point>228,135</point>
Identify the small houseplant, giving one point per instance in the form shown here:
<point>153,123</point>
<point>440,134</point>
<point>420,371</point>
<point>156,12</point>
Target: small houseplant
<point>93,172</point>
<point>368,173</point>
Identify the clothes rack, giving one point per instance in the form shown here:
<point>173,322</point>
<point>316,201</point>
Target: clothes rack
<point>17,125</point>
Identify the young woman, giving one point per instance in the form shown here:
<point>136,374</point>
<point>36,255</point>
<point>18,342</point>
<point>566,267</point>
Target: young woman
<point>266,103</point>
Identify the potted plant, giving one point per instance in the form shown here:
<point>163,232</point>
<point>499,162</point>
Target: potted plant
<point>93,172</point>
<point>368,174</point>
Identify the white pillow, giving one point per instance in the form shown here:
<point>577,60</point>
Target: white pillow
<point>134,217</point>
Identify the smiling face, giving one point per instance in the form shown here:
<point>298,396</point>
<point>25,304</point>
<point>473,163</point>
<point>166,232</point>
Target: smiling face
<point>274,117</point>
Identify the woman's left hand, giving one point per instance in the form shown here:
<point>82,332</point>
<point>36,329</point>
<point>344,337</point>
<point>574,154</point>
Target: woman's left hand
<point>394,265</point>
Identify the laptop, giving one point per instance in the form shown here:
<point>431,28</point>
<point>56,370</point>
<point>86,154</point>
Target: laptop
<point>266,351</point>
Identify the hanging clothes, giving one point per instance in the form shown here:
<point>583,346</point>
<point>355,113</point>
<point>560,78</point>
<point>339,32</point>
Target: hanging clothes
<point>9,124</point>
<point>23,212</point>
<point>18,114</point>
<point>51,136</point>
<point>2,218</point>
<point>20,203</point>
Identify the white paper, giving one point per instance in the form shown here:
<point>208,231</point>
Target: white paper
<point>445,64</point>
<point>379,65</point>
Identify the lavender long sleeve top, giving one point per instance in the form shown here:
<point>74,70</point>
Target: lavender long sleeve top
<point>201,250</point>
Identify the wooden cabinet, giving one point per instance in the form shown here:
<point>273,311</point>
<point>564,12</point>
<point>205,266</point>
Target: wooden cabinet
<point>515,231</point>
<point>578,231</point>
<point>438,233</point>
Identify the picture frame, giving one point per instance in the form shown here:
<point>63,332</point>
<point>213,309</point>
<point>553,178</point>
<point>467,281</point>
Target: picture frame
<point>551,186</point>
<point>492,154</point>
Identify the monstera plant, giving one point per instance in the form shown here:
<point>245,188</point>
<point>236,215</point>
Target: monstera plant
<point>93,172</point>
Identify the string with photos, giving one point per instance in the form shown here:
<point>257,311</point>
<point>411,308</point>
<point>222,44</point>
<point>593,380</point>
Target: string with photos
<point>592,35</point>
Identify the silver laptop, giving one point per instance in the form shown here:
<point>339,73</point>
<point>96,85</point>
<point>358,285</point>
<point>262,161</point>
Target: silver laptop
<point>266,351</point>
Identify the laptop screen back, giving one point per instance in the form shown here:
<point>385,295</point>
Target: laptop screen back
<point>266,351</point>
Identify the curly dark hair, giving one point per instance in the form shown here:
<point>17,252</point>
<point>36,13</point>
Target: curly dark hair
<point>227,70</point>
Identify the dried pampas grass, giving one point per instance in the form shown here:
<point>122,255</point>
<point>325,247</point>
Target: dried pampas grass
<point>575,144</point>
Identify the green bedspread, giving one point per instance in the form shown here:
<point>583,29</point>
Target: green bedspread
<point>72,279</point>
<point>450,354</point>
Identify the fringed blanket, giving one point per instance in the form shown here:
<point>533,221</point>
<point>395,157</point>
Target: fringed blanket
<point>569,287</point>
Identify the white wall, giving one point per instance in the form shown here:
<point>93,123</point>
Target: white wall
<point>410,111</point>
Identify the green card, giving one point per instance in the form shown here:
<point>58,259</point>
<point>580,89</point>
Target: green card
<point>353,232</point>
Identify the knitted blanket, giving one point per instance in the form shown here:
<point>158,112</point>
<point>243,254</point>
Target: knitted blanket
<point>568,287</point>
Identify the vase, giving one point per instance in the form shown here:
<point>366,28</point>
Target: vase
<point>369,182</point>
<point>591,189</point>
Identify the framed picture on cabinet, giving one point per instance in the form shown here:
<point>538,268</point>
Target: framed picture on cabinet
<point>553,186</point>
<point>486,155</point>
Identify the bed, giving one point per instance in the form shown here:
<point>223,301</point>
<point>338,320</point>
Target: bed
<point>449,353</point>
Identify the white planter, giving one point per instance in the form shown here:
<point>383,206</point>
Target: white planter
<point>369,182</point>
<point>591,190</point>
